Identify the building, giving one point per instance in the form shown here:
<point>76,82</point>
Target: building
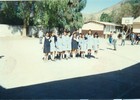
<point>136,25</point>
<point>103,28</point>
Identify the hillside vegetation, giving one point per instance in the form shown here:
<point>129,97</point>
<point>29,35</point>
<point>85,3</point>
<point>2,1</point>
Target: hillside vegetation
<point>125,8</point>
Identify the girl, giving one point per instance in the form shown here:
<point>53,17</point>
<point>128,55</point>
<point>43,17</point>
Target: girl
<point>95,44</point>
<point>59,46</point>
<point>69,45</point>
<point>110,38</point>
<point>46,46</point>
<point>65,44</point>
<point>83,45</point>
<point>89,43</point>
<point>53,46</point>
<point>74,45</point>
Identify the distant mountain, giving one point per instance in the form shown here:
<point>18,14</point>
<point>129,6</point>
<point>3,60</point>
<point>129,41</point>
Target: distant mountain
<point>96,16</point>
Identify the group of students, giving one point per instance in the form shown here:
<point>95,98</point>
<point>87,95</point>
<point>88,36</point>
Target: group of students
<point>135,38</point>
<point>70,45</point>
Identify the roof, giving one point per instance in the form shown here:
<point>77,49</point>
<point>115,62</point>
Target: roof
<point>103,23</point>
<point>137,20</point>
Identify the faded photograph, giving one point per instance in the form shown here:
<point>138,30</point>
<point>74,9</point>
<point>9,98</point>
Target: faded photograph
<point>70,49</point>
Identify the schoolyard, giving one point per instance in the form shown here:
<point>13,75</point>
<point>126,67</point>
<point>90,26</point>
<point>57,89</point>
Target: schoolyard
<point>22,64</point>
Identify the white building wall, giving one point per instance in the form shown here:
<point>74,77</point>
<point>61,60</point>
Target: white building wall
<point>93,26</point>
<point>136,28</point>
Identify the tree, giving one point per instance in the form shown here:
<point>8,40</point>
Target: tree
<point>48,13</point>
<point>23,12</point>
<point>8,13</point>
<point>105,17</point>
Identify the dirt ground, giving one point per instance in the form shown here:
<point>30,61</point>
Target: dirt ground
<point>22,64</point>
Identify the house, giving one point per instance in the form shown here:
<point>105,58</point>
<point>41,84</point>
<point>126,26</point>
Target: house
<point>136,25</point>
<point>103,28</point>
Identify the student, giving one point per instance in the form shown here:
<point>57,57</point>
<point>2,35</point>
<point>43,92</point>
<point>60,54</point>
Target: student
<point>96,44</point>
<point>123,38</point>
<point>46,46</point>
<point>74,45</point>
<point>82,45</point>
<point>110,38</point>
<point>69,48</point>
<point>132,36</point>
<point>40,35</point>
<point>89,43</point>
<point>52,46</point>
<point>115,37</point>
<point>65,44</point>
<point>59,46</point>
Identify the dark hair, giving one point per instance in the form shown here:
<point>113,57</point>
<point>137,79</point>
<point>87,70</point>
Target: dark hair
<point>96,34</point>
<point>90,31</point>
<point>47,33</point>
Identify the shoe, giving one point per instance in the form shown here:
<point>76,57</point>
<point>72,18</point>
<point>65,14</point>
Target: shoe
<point>53,60</point>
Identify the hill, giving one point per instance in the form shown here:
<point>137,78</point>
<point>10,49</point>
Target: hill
<point>96,16</point>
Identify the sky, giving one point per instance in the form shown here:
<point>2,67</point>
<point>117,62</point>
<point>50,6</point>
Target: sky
<point>94,6</point>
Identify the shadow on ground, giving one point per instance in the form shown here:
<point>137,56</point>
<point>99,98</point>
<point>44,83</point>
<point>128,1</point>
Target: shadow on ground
<point>118,84</point>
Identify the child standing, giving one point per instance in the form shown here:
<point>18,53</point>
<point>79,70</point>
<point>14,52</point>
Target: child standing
<point>69,45</point>
<point>82,45</point>
<point>59,46</point>
<point>74,45</point>
<point>96,44</point>
<point>52,46</point>
<point>46,46</point>
<point>89,43</point>
<point>65,44</point>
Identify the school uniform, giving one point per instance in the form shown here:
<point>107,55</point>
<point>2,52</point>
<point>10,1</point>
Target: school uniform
<point>52,44</point>
<point>74,44</point>
<point>65,42</point>
<point>95,44</point>
<point>89,42</point>
<point>83,44</point>
<point>59,44</point>
<point>46,45</point>
<point>69,48</point>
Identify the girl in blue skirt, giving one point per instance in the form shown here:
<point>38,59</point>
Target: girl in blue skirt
<point>74,45</point>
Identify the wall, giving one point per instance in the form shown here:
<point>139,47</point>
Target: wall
<point>9,30</point>
<point>12,30</point>
<point>100,33</point>
<point>93,26</point>
<point>136,28</point>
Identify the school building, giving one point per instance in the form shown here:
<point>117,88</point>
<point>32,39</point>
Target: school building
<point>136,25</point>
<point>103,28</point>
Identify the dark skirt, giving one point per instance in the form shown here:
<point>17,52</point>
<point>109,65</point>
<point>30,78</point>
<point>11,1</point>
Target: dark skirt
<point>74,44</point>
<point>46,46</point>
